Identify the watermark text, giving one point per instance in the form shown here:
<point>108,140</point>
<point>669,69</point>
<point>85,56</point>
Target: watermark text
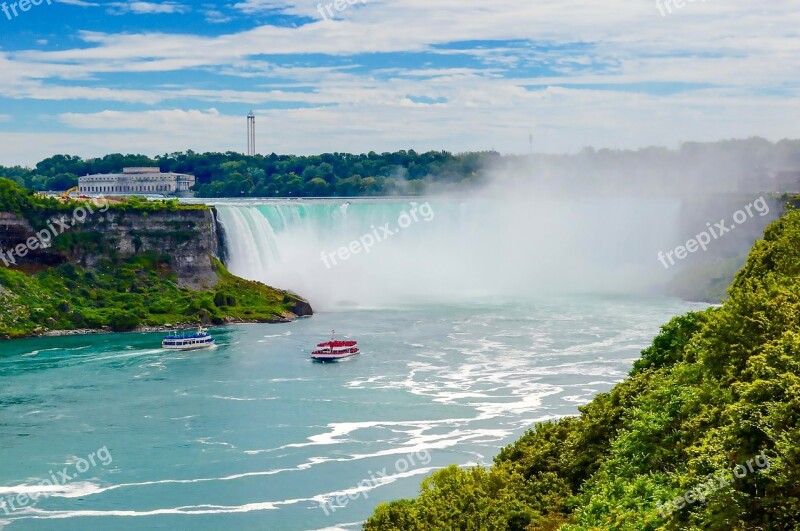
<point>58,478</point>
<point>365,243</point>
<point>55,227</point>
<point>704,239</point>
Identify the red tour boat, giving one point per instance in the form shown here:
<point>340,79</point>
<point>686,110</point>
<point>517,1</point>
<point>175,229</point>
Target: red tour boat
<point>335,350</point>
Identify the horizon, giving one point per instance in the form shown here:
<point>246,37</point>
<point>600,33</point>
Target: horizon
<point>583,150</point>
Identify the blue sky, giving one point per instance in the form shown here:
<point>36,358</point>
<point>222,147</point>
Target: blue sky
<point>88,78</point>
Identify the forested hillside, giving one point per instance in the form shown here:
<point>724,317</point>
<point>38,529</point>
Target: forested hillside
<point>702,435</point>
<point>731,166</point>
<point>235,175</point>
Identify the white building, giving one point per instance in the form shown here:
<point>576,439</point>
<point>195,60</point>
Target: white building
<point>137,181</point>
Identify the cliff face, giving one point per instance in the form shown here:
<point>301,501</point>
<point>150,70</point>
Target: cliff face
<point>120,265</point>
<point>705,276</point>
<point>187,237</point>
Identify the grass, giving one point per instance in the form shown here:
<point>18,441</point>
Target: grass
<point>125,295</point>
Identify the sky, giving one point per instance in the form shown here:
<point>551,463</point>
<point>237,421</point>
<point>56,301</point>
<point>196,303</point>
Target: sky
<point>87,78</point>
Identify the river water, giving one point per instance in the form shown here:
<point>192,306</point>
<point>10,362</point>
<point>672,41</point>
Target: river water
<point>110,432</point>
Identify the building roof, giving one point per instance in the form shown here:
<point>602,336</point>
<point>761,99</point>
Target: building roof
<point>142,170</point>
<point>138,173</point>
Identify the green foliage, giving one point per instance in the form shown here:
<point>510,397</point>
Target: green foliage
<point>39,210</point>
<point>121,296</point>
<point>331,174</point>
<point>25,203</point>
<point>121,321</point>
<point>235,175</point>
<point>145,206</point>
<point>222,299</point>
<point>668,347</point>
<point>714,390</point>
<point>403,172</point>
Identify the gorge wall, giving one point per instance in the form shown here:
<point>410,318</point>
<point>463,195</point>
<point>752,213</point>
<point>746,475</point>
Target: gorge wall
<point>187,237</point>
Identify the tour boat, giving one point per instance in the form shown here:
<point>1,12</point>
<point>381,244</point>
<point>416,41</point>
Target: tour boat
<point>189,341</point>
<point>335,350</point>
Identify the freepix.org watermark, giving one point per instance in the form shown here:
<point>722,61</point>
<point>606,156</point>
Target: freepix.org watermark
<point>665,6</point>
<point>55,227</point>
<point>416,213</point>
<point>326,10</point>
<point>714,483</point>
<point>58,478</point>
<point>22,5</point>
<point>704,239</point>
<point>402,465</point>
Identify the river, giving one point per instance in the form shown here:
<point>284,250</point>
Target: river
<point>474,325</point>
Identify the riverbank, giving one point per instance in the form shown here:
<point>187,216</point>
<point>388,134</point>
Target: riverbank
<point>136,295</point>
<point>148,329</point>
<point>121,266</point>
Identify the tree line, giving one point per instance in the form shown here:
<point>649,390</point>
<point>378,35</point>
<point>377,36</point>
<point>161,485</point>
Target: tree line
<point>729,166</point>
<point>235,175</point>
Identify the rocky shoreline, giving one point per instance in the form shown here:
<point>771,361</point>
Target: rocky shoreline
<point>148,329</point>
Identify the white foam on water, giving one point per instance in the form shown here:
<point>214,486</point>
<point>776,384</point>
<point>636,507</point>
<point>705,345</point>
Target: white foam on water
<point>120,356</point>
<point>342,527</point>
<point>74,489</point>
<point>206,440</point>
<point>34,353</point>
<point>245,399</point>
<point>285,334</point>
<point>371,482</point>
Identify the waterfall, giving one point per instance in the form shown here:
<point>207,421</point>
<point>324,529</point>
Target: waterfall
<point>338,253</point>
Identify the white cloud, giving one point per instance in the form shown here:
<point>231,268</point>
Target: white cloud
<point>258,6</point>
<point>145,8</point>
<point>739,53</point>
<point>80,3</point>
<point>467,122</point>
<point>215,16</point>
<point>167,122</point>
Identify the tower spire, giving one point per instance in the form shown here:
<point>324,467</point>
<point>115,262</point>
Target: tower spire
<point>251,134</point>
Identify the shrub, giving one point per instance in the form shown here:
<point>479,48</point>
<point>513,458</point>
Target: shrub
<point>219,299</point>
<point>160,307</point>
<point>124,321</point>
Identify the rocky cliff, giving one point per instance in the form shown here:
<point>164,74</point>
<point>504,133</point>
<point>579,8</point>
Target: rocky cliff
<point>186,237</point>
<point>120,266</point>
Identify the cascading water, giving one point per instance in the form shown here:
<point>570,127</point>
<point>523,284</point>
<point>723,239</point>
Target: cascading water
<point>454,251</point>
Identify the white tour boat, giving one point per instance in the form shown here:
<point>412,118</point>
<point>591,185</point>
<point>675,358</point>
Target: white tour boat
<point>189,341</point>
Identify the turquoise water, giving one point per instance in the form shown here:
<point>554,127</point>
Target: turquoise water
<point>462,352</point>
<point>252,435</point>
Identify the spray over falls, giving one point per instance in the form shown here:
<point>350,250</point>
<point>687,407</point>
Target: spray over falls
<point>466,249</point>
